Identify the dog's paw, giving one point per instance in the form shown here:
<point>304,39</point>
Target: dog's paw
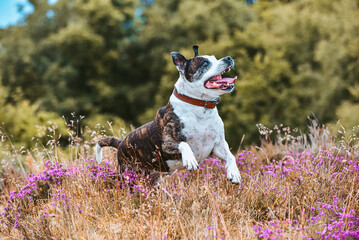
<point>189,161</point>
<point>233,174</point>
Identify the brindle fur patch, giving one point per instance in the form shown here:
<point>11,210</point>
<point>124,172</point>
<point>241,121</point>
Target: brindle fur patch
<point>148,147</point>
<point>193,65</point>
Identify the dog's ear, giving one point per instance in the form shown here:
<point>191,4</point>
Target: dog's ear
<point>195,49</point>
<point>178,60</point>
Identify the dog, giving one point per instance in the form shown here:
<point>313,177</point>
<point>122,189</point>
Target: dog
<point>188,129</point>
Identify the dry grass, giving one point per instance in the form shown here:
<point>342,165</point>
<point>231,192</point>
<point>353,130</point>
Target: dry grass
<point>287,192</point>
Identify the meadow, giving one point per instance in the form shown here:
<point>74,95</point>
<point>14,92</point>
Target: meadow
<point>109,60</point>
<point>295,186</point>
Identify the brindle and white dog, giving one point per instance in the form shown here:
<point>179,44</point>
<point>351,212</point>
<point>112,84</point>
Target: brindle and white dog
<point>188,129</point>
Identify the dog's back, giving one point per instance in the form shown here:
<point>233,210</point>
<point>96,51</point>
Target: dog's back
<point>144,147</point>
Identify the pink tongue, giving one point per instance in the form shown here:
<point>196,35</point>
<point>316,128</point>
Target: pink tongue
<point>226,80</point>
<point>220,82</point>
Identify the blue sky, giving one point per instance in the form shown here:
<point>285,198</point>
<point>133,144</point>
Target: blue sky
<point>9,14</point>
<point>8,11</point>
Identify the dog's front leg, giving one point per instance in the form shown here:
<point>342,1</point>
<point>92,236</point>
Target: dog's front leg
<point>222,151</point>
<point>188,159</point>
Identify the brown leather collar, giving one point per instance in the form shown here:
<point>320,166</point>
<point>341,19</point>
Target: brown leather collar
<point>197,102</point>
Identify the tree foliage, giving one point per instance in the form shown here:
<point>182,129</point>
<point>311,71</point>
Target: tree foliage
<point>111,58</point>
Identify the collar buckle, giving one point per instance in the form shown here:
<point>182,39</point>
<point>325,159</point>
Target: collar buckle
<point>215,102</point>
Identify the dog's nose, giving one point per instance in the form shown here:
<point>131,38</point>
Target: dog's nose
<point>229,60</point>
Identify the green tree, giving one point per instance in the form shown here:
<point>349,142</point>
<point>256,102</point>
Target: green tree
<point>101,59</point>
<point>76,59</point>
<point>294,59</point>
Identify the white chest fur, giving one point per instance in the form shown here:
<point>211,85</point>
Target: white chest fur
<point>202,127</point>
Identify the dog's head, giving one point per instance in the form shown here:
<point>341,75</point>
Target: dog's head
<point>202,75</point>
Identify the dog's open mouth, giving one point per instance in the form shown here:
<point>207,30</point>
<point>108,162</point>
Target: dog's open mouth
<point>219,82</point>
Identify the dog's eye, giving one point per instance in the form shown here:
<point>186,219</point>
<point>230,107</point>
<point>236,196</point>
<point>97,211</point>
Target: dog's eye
<point>205,63</point>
